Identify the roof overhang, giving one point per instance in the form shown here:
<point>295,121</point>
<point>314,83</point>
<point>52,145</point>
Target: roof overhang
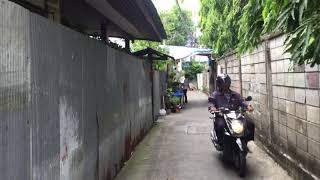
<point>130,19</point>
<point>137,18</point>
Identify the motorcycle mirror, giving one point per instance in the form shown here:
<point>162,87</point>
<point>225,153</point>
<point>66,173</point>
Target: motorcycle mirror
<point>249,98</point>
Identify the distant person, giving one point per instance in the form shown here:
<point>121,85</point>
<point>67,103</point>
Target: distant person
<point>186,86</point>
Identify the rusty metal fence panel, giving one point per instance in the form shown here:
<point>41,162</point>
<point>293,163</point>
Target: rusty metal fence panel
<point>70,106</point>
<point>14,92</point>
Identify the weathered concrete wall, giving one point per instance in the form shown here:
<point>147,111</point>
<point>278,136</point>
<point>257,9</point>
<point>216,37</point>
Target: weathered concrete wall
<point>203,81</point>
<point>286,100</point>
<point>70,107</point>
<point>200,81</point>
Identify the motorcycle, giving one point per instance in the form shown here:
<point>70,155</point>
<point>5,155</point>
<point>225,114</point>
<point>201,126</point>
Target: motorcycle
<point>234,148</point>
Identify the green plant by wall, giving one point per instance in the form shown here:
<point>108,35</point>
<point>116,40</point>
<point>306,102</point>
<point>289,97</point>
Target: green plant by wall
<point>174,101</point>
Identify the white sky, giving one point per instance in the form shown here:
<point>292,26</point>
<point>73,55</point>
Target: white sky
<point>163,5</point>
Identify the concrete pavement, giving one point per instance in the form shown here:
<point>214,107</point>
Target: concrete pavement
<point>179,148</point>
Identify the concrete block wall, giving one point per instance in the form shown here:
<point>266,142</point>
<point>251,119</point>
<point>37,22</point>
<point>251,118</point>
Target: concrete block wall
<point>206,78</point>
<point>286,98</point>
<point>233,69</point>
<point>70,106</point>
<point>200,81</point>
<point>254,83</point>
<point>248,74</point>
<point>296,108</point>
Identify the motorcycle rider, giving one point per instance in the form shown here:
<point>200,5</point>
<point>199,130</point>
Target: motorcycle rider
<point>224,97</point>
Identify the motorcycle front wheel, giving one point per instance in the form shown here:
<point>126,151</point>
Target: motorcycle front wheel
<point>241,163</point>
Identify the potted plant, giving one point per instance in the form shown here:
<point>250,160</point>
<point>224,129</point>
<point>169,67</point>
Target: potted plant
<point>175,104</point>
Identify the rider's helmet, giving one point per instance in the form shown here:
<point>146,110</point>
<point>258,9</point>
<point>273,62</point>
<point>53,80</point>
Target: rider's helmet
<point>223,82</point>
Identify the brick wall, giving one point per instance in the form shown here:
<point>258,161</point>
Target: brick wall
<point>286,98</point>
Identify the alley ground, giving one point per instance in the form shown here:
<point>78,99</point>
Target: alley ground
<point>179,148</point>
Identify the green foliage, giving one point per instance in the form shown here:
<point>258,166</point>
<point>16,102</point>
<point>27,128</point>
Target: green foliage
<point>161,65</point>
<point>219,24</point>
<point>141,44</point>
<point>240,24</point>
<point>169,91</point>
<point>178,25</point>
<point>174,101</point>
<point>193,69</point>
<point>250,26</point>
<point>168,97</point>
<point>300,20</point>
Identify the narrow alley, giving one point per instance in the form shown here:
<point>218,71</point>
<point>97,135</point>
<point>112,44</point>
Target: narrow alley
<point>179,148</point>
<point>85,84</point>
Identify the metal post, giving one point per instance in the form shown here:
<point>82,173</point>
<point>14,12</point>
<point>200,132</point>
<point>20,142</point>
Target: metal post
<point>103,31</point>
<point>127,45</point>
<point>152,85</point>
<point>213,74</point>
<point>226,65</point>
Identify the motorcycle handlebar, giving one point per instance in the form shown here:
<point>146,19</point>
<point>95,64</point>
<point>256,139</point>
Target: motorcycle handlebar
<point>225,111</point>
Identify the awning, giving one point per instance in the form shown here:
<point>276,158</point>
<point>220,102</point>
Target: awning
<point>152,54</point>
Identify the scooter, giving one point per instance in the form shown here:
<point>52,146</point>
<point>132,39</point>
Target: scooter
<point>234,148</point>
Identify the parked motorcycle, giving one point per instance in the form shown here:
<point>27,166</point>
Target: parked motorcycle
<point>234,148</point>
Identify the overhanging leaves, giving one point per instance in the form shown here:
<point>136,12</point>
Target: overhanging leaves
<point>239,24</point>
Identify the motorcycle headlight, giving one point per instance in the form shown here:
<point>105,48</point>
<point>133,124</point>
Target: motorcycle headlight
<point>237,126</point>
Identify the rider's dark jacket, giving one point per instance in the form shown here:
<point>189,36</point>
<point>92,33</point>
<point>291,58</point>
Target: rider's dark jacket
<point>231,100</point>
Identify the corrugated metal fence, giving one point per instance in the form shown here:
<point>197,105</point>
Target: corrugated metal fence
<point>70,107</point>
<point>160,88</point>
